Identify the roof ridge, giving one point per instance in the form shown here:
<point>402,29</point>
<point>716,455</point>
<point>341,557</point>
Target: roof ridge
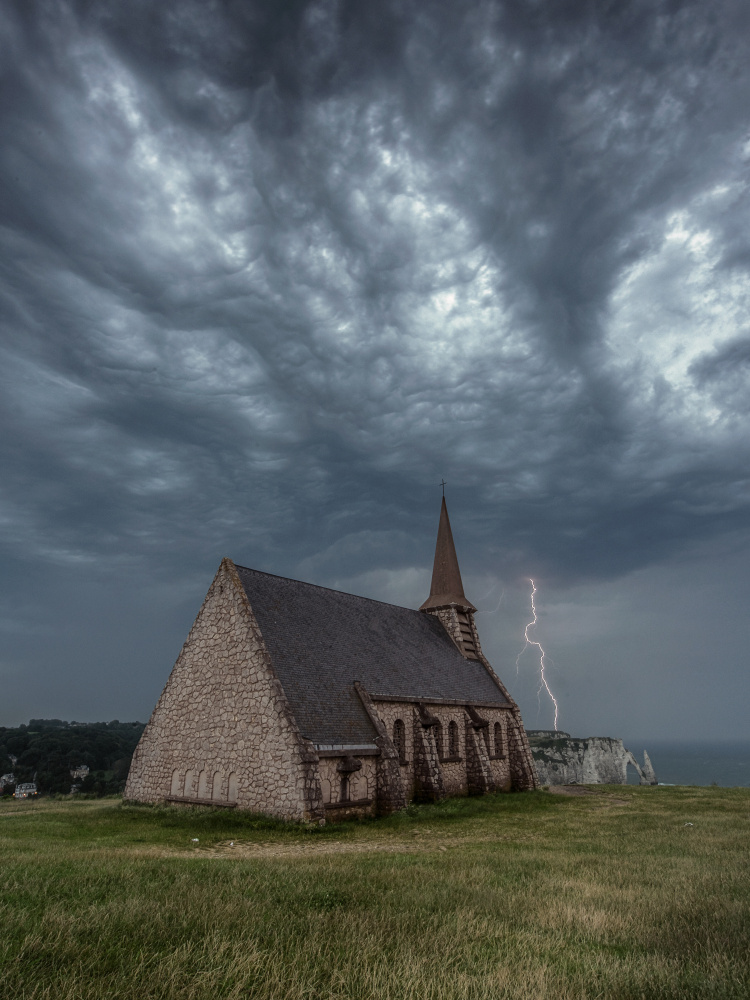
<point>319,586</point>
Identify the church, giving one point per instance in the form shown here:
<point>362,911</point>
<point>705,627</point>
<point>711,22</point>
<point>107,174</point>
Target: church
<point>304,703</point>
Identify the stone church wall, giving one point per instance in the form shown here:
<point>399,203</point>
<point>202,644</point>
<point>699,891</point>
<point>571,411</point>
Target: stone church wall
<point>388,713</point>
<point>222,730</point>
<point>348,792</point>
<point>519,773</point>
<point>455,761</point>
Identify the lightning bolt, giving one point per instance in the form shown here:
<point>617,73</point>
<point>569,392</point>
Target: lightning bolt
<point>528,641</point>
<point>502,595</point>
<point>498,604</point>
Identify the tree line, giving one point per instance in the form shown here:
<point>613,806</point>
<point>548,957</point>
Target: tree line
<point>47,750</point>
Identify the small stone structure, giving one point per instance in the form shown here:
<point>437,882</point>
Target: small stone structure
<point>302,702</point>
<point>562,760</point>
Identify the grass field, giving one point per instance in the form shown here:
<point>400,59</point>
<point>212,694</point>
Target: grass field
<point>532,895</point>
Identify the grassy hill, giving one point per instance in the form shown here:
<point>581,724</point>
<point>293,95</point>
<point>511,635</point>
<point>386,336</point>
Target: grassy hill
<point>625,892</point>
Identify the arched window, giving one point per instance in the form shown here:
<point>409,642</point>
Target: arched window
<point>216,785</point>
<point>358,786</point>
<point>399,739</point>
<point>176,786</point>
<point>189,790</point>
<point>232,787</point>
<point>438,731</point>
<point>499,742</point>
<point>453,750</point>
<point>325,787</point>
<point>203,784</point>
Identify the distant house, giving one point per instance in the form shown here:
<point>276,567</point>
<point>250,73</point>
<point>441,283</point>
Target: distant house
<point>6,780</point>
<point>80,772</point>
<point>303,702</point>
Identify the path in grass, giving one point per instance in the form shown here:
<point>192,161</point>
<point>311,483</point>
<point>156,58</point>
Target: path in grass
<point>421,841</point>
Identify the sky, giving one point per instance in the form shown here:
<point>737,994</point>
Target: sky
<point>270,271</point>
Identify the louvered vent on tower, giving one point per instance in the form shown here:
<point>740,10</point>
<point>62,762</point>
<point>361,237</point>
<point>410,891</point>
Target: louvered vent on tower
<point>467,636</point>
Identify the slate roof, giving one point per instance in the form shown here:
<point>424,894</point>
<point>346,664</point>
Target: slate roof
<point>321,641</point>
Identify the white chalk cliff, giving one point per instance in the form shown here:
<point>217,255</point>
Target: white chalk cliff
<point>561,759</point>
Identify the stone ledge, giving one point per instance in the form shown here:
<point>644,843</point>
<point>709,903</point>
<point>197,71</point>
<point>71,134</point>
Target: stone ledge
<point>351,804</point>
<point>218,803</point>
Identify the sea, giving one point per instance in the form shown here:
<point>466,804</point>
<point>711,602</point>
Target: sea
<point>691,763</point>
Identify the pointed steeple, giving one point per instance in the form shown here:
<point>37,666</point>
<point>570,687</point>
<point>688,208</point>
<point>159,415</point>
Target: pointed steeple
<point>446,588</point>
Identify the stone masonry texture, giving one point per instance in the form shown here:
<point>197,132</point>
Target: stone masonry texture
<point>428,777</point>
<point>223,718</point>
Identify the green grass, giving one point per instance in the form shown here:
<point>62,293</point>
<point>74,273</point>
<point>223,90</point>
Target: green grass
<point>526,896</point>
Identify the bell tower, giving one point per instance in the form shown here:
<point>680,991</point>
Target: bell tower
<point>447,599</point>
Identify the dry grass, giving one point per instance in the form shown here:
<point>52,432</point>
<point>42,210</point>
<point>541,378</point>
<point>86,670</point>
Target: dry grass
<point>519,896</point>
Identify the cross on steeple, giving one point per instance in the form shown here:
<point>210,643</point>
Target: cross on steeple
<point>443,484</point>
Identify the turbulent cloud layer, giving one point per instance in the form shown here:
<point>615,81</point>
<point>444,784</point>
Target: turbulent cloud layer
<point>269,271</point>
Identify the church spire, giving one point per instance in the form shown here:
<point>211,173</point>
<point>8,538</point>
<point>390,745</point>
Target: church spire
<point>446,588</point>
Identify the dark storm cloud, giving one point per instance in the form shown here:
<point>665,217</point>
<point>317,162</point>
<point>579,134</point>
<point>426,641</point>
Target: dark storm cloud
<point>730,360</point>
<point>227,227</point>
<point>268,271</point>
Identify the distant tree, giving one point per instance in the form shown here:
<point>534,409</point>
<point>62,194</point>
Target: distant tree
<point>51,748</point>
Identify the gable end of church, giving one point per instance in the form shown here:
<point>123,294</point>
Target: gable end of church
<point>222,732</point>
